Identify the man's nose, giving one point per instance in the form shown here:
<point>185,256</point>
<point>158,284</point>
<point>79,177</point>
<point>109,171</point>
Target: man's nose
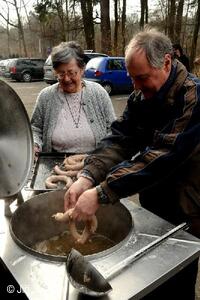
<point>137,84</point>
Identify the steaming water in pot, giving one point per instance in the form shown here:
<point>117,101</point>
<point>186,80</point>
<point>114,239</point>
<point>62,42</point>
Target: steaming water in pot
<point>32,223</point>
<point>63,243</point>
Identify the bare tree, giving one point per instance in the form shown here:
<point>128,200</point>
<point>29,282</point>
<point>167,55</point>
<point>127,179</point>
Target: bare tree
<point>7,28</point>
<point>57,20</point>
<point>26,13</point>
<point>67,18</point>
<point>19,25</point>
<point>58,5</point>
<point>171,18</point>
<point>105,26</point>
<point>75,23</point>
<point>5,14</point>
<point>144,13</point>
<point>87,14</point>
<point>123,25</point>
<point>116,27</point>
<point>178,25</point>
<point>195,36</point>
<point>185,22</point>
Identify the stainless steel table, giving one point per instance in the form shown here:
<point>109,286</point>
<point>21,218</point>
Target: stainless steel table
<point>42,279</point>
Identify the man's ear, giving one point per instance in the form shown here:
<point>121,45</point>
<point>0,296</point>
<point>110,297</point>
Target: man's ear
<point>167,62</point>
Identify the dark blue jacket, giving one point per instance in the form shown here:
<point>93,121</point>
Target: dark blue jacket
<point>154,150</point>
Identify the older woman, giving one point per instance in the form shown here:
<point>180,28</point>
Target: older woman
<point>73,115</point>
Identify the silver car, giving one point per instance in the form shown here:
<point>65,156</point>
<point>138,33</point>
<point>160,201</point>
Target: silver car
<point>49,75</point>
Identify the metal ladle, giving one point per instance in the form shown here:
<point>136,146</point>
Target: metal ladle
<point>88,280</point>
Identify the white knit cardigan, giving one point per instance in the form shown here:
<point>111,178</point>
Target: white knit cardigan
<point>97,106</point>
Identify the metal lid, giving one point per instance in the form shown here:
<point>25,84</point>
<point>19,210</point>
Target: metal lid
<point>16,142</point>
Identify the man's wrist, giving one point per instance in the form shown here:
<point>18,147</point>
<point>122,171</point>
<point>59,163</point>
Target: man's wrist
<point>102,197</point>
<point>87,181</point>
<point>87,175</point>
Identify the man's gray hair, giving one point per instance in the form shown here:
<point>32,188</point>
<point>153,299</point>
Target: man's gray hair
<point>65,52</point>
<point>154,43</point>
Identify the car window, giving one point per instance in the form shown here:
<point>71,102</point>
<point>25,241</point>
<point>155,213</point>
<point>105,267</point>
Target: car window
<point>48,61</point>
<point>89,55</point>
<point>24,62</point>
<point>94,63</point>
<point>93,55</point>
<point>6,62</point>
<point>32,63</point>
<point>36,62</point>
<point>115,64</point>
<point>12,62</point>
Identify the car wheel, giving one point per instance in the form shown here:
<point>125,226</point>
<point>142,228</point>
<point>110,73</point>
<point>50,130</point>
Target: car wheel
<point>107,86</point>
<point>26,77</point>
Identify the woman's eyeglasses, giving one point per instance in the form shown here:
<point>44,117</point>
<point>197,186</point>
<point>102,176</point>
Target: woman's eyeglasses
<point>70,74</point>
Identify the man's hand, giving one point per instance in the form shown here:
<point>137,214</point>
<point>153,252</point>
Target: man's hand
<point>75,190</point>
<point>86,206</point>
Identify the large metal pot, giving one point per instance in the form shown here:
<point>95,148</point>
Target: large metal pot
<point>32,222</point>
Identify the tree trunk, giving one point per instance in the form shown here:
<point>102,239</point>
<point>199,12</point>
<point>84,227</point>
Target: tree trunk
<point>123,26</point>
<point>172,13</point>
<point>7,30</point>
<point>20,27</point>
<point>116,28</point>
<point>185,24</point>
<point>87,14</point>
<point>144,13</point>
<point>178,26</point>
<point>105,27</point>
<point>67,19</point>
<point>195,36</point>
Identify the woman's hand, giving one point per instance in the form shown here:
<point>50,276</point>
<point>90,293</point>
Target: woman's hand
<point>86,206</point>
<point>75,190</point>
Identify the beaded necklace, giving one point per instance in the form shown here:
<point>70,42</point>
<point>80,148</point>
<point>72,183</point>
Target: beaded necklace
<point>75,120</point>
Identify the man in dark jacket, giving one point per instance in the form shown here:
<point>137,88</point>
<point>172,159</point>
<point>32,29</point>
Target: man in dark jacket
<point>178,53</point>
<point>154,149</point>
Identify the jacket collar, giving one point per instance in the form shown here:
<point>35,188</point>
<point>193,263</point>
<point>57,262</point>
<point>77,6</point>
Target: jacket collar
<point>180,77</point>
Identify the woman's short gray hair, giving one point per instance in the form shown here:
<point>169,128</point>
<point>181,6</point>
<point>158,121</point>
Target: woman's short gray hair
<point>154,43</point>
<point>65,52</point>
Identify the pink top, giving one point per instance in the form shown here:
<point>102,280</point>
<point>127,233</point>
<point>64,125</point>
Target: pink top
<point>72,132</point>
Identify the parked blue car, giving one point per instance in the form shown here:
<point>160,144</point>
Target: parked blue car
<point>110,72</point>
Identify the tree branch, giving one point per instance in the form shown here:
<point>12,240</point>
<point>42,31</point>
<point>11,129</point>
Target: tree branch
<point>7,21</point>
